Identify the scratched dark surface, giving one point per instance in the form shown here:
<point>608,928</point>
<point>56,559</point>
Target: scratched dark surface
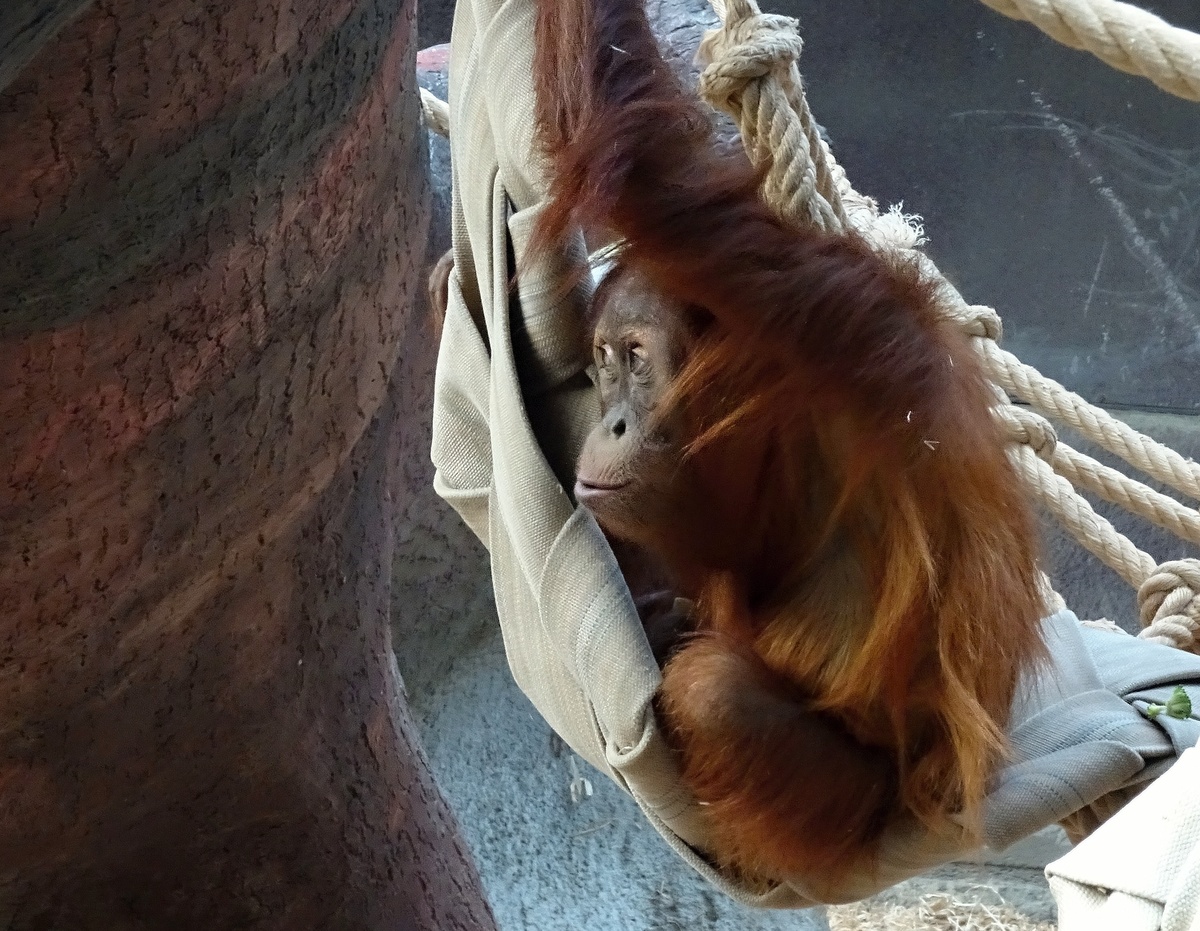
<point>1060,191</point>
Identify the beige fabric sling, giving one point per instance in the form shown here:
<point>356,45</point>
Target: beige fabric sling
<point>513,402</point>
<point>1141,870</point>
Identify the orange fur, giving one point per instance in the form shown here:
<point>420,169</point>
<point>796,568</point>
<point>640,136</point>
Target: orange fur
<point>868,594</point>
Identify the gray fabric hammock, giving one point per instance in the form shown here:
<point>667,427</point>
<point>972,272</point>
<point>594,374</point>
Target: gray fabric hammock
<point>513,403</point>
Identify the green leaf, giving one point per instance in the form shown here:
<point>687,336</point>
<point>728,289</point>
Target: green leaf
<point>1179,705</point>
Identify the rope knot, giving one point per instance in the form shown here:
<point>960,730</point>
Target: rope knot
<point>1030,428</point>
<point>752,76</point>
<point>979,321</point>
<point>748,47</point>
<point>1169,604</point>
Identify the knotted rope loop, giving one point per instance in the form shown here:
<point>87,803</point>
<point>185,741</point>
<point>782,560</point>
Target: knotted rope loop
<point>1031,429</point>
<point>752,76</point>
<point>1169,603</point>
<point>744,50</point>
<point>976,320</point>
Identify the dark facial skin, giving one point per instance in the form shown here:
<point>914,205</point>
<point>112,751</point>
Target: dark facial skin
<point>631,470</point>
<point>632,475</point>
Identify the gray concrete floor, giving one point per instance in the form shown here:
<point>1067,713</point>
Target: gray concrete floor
<point>1062,193</point>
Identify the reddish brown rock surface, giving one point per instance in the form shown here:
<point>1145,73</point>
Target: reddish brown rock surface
<point>212,229</point>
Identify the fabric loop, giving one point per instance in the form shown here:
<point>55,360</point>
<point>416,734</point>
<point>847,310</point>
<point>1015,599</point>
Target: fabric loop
<point>436,113</point>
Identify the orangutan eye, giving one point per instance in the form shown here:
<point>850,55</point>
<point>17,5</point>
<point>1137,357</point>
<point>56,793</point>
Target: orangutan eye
<point>603,354</point>
<point>639,359</point>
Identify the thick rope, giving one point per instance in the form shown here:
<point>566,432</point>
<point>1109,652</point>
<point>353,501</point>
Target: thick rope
<point>1092,530</point>
<point>1053,400</point>
<point>1086,473</point>
<point>753,60</point>
<point>1119,34</point>
<point>753,75</point>
<point>1170,604</point>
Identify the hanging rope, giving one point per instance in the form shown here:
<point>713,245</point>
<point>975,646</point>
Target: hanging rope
<point>1124,36</point>
<point>1053,400</point>
<point>744,55</point>
<point>752,74</point>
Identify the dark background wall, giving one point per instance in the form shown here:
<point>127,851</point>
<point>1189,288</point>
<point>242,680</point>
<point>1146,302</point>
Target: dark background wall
<point>1054,188</point>
<point>434,19</point>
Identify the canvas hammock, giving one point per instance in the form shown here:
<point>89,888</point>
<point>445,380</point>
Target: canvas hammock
<point>513,403</point>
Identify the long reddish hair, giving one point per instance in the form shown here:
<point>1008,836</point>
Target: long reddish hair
<point>830,409</point>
